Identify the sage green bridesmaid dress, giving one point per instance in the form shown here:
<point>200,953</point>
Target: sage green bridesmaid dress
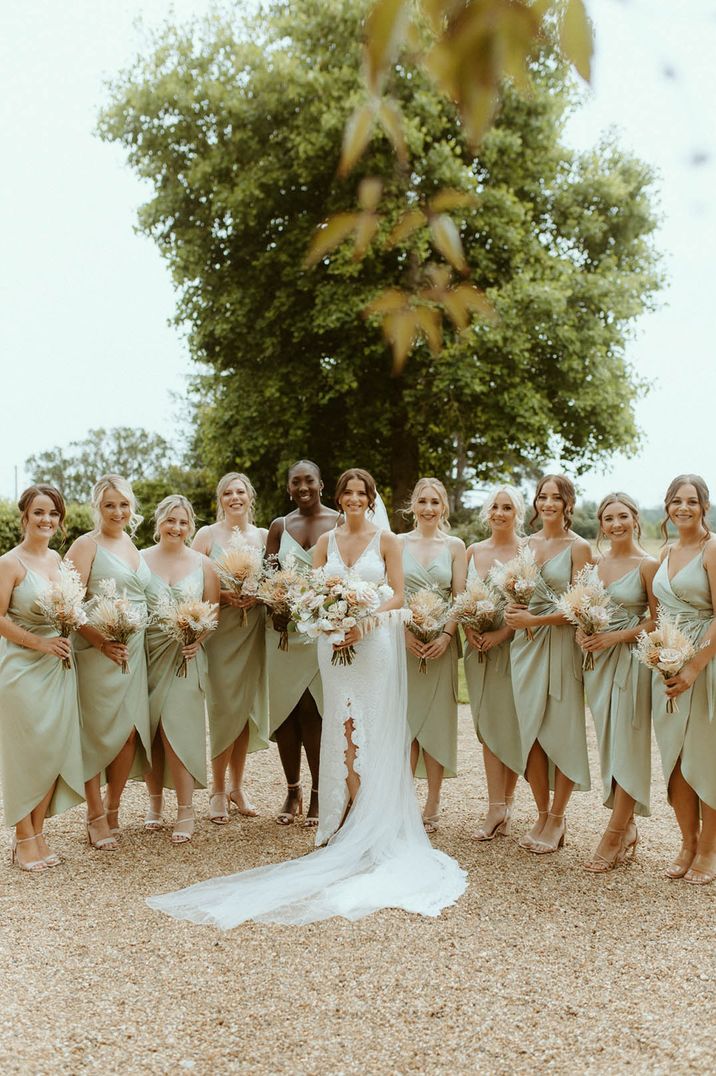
<point>40,717</point>
<point>178,702</point>
<point>236,686</point>
<point>489,686</point>
<point>547,681</point>
<point>294,671</point>
<point>432,695</point>
<point>690,734</point>
<point>112,703</point>
<point>618,691</point>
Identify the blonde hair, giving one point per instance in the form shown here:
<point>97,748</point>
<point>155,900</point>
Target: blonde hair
<point>224,483</point>
<point>420,486</point>
<point>165,508</point>
<point>513,495</point>
<point>120,485</point>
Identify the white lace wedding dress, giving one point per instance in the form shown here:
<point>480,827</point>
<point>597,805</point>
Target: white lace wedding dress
<point>381,856</point>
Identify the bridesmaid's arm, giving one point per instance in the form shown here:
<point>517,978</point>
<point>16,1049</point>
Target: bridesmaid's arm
<point>202,541</point>
<point>320,551</point>
<point>11,575</point>
<point>273,538</point>
<point>683,680</point>
<point>392,553</point>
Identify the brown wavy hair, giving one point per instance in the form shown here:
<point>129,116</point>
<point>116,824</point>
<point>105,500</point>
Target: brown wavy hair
<point>566,490</point>
<point>702,492</point>
<point>363,476</point>
<point>41,489</point>
<point>625,499</point>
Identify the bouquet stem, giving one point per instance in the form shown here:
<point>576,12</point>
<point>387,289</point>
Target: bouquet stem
<point>66,662</point>
<point>182,670</point>
<point>343,656</point>
<point>283,640</point>
<point>528,632</point>
<point>588,662</point>
<point>423,666</point>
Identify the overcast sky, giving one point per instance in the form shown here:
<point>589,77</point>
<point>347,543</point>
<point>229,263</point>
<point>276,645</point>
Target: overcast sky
<point>85,302</point>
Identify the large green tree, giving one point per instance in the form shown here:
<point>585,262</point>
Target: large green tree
<point>238,129</point>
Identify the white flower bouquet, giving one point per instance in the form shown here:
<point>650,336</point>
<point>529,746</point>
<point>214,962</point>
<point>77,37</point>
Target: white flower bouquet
<point>517,579</point>
<point>275,588</point>
<point>667,649</point>
<point>478,607</point>
<point>184,619</point>
<point>429,615</point>
<point>240,567</point>
<point>62,603</point>
<point>330,605</point>
<point>588,604</point>
<point>114,616</point>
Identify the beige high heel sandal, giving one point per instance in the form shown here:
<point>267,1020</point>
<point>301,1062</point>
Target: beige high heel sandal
<point>501,828</point>
<point>35,866</point>
<point>183,829</point>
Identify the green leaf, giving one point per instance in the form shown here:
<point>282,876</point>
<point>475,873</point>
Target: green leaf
<point>407,224</point>
<point>369,192</point>
<point>356,137</point>
<point>446,239</point>
<point>329,235</point>
<point>449,198</point>
<point>391,120</point>
<point>575,37</point>
<point>384,27</point>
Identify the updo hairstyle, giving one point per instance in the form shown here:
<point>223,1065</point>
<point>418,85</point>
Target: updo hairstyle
<point>170,504</point>
<point>363,476</point>
<point>41,489</point>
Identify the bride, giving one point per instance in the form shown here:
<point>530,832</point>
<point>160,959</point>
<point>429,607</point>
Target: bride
<point>373,851</point>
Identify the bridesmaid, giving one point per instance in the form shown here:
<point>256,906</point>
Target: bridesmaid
<point>547,669</point>
<point>176,703</point>
<point>489,682</point>
<point>295,692</point>
<point>114,706</point>
<point>40,750</point>
<point>618,689</point>
<point>236,692</point>
<point>685,587</point>
<point>432,559</point>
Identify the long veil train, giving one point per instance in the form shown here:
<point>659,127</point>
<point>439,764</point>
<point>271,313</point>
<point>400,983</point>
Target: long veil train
<point>381,856</point>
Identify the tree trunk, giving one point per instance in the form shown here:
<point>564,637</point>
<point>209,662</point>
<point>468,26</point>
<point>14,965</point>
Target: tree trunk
<point>404,468</point>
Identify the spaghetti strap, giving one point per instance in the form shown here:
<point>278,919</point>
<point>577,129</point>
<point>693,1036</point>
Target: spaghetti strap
<point>19,558</point>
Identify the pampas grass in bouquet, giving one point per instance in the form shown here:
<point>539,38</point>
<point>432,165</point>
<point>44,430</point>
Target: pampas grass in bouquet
<point>517,579</point>
<point>186,620</point>
<point>587,603</point>
<point>115,617</point>
<point>62,603</point>
<point>275,588</point>
<point>667,649</point>
<point>240,568</point>
<point>477,607</point>
<point>429,615</point>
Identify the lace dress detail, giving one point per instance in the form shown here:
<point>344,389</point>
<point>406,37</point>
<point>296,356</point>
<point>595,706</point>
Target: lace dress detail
<point>349,694</point>
<point>380,857</point>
